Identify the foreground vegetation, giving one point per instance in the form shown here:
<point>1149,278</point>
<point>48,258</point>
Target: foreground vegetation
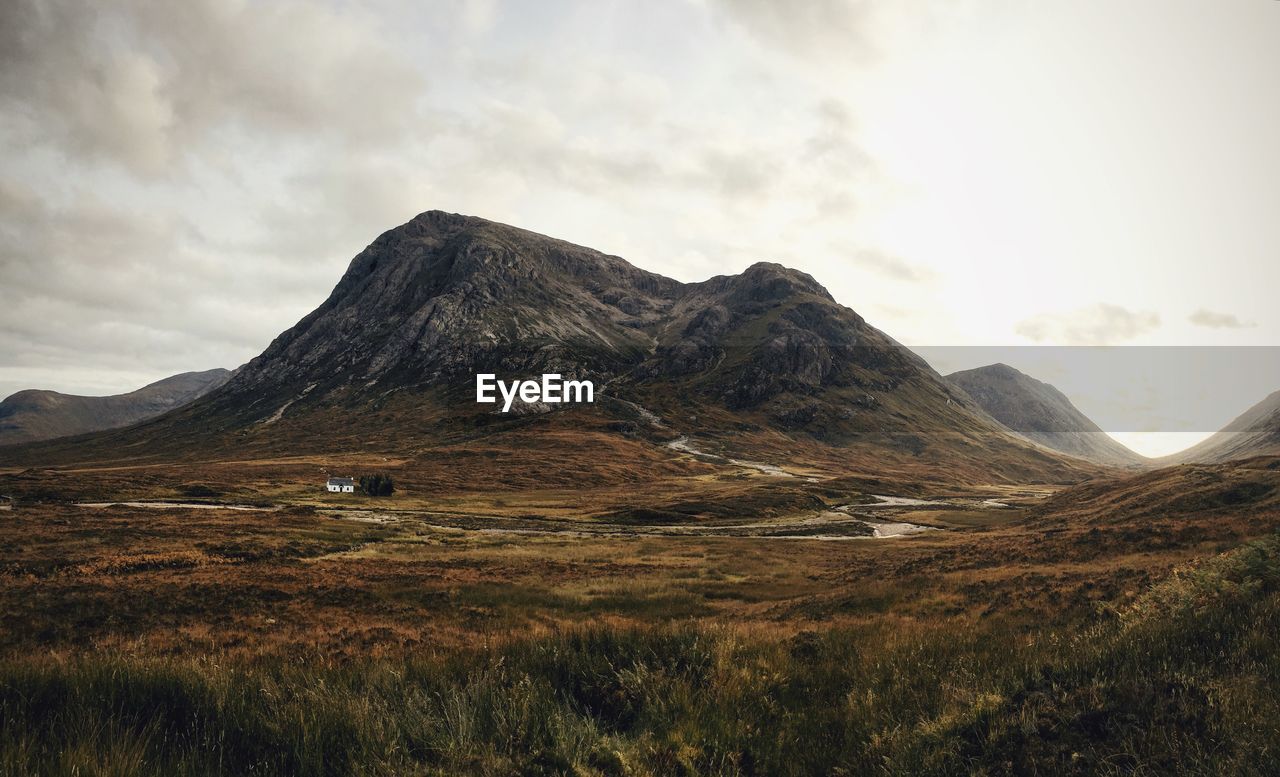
<point>1180,680</point>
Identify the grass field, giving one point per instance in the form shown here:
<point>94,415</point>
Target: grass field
<point>1180,680</point>
<point>1123,626</point>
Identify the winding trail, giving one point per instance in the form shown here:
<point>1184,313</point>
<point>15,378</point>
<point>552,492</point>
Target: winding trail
<point>844,522</point>
<point>685,445</point>
<point>852,521</point>
<point>839,524</point>
<point>163,505</point>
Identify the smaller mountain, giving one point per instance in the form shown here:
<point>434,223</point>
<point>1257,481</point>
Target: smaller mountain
<point>1041,413</point>
<point>1256,432</point>
<point>35,414</point>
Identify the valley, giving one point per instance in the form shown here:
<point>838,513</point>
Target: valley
<point>723,388</point>
<point>1041,553</point>
<point>775,541</point>
<point>650,635</point>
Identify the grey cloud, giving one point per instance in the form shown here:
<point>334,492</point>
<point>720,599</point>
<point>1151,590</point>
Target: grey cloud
<point>541,138</point>
<point>1213,320</point>
<point>834,144</point>
<point>542,145</point>
<point>1100,324</point>
<point>182,181</point>
<point>92,284</point>
<point>531,140</point>
<point>736,173</point>
<point>827,30</point>
<point>337,209</point>
<point>887,264</point>
<point>139,82</point>
<point>106,267</point>
<point>64,80</point>
<point>844,164</point>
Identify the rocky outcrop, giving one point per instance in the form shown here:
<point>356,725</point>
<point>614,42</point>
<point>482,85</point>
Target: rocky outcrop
<point>444,296</point>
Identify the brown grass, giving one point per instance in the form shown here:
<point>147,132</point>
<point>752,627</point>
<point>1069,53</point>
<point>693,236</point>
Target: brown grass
<point>192,580</point>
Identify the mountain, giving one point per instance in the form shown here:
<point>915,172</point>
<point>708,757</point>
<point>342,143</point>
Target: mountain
<point>430,303</point>
<point>35,414</point>
<point>1041,413</point>
<point>1256,432</point>
<point>762,361</point>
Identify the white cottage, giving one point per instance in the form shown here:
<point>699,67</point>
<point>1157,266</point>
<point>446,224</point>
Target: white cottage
<point>342,485</point>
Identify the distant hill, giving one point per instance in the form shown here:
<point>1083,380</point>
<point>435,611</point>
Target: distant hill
<point>1256,432</point>
<point>1041,413</point>
<point>36,414</point>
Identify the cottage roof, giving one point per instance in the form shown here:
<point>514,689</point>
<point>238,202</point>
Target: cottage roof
<point>342,481</point>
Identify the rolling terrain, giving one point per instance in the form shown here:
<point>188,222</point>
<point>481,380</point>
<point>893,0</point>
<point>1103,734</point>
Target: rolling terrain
<point>41,415</point>
<point>1123,625</point>
<point>1041,413</point>
<point>1256,432</point>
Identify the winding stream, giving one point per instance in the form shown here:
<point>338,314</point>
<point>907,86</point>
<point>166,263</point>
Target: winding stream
<point>834,524</point>
<point>162,505</point>
<point>685,445</point>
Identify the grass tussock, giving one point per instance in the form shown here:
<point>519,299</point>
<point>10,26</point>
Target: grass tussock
<point>1180,681</point>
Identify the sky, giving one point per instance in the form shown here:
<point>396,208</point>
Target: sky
<point>181,182</point>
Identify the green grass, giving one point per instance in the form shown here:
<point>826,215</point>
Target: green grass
<point>1181,681</point>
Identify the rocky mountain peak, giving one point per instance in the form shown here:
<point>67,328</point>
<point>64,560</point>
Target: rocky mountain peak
<point>446,294</point>
<point>765,282</point>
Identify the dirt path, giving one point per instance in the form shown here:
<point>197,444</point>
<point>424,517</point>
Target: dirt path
<point>685,445</point>
<point>846,522</point>
<point>162,505</point>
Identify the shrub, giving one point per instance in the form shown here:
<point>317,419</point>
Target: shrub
<point>377,485</point>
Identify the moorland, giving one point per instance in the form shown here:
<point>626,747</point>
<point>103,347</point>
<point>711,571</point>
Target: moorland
<point>776,543</point>
<point>232,617</point>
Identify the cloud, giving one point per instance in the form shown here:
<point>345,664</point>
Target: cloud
<point>1100,324</point>
<point>61,79</point>
<point>140,82</point>
<point>181,182</point>
<point>835,150</point>
<point>833,144</point>
<point>888,265</point>
<point>1208,318</point>
<point>93,286</point>
<point>826,30</point>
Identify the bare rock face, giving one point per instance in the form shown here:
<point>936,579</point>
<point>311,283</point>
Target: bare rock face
<point>1041,413</point>
<point>431,303</point>
<point>35,414</point>
<point>444,296</point>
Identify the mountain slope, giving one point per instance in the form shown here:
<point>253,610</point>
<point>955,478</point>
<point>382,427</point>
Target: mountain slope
<point>763,361</point>
<point>1041,413</point>
<point>1256,432</point>
<point>430,303</point>
<point>35,414</point>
